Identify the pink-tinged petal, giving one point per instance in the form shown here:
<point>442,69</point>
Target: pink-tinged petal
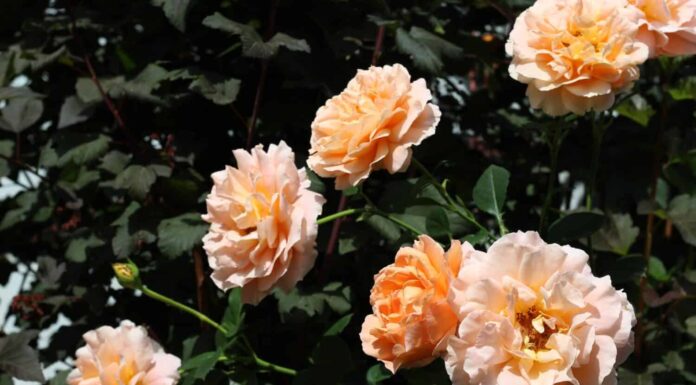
<point>559,324</point>
<point>124,355</point>
<point>263,226</point>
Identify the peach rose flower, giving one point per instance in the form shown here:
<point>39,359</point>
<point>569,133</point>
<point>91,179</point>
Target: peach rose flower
<point>371,125</point>
<point>668,27</point>
<point>412,318</point>
<point>575,55</point>
<point>532,313</point>
<point>123,355</point>
<point>263,223</point>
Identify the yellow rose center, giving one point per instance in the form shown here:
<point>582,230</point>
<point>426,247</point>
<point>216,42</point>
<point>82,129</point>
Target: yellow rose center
<point>536,328</point>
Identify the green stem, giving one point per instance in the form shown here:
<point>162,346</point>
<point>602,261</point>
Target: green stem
<point>458,209</point>
<point>554,138</point>
<point>501,224</point>
<point>164,299</point>
<point>337,215</point>
<point>265,364</point>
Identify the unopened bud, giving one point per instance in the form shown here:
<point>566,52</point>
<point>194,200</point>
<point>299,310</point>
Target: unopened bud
<point>127,274</point>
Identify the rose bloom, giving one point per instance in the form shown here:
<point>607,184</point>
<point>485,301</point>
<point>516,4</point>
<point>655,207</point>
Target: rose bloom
<point>412,318</point>
<point>532,313</point>
<point>668,27</point>
<point>371,125</point>
<point>263,223</point>
<point>123,355</point>
<point>575,55</point>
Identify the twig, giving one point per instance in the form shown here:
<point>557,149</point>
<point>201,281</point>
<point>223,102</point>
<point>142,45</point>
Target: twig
<point>650,222</point>
<point>26,166</point>
<point>200,283</point>
<point>93,75</point>
<point>262,77</point>
<point>333,239</point>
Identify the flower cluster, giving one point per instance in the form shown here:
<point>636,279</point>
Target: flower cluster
<point>576,55</point>
<point>526,312</point>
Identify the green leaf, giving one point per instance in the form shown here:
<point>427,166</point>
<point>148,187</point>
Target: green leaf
<point>252,44</point>
<point>88,93</point>
<point>284,40</point>
<point>115,161</point>
<point>681,171</point>
<point>657,270</point>
<point>437,223</point>
<point>137,180</point>
<point>574,226</point>
<point>222,92</point>
<point>435,43</point>
<point>425,48</point>
<point>86,151</point>
<point>234,314</point>
<point>20,114</point>
<point>428,219</point>
<point>637,109</point>
<point>175,11</point>
<point>691,325</point>
<point>682,212</point>
<point>685,89</point>
<point>334,295</point>
<point>477,238</point>
<point>74,111</point>
<point>419,53</point>
<point>18,92</point>
<point>19,359</point>
<point>180,234</point>
<point>198,367</point>
<point>491,189</point>
<point>25,202</point>
<point>617,235</point>
<point>338,326</point>
<point>376,374</point>
<point>386,228</point>
<point>77,249</point>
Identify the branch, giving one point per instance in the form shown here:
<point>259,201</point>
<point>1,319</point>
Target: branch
<point>262,77</point>
<point>93,75</point>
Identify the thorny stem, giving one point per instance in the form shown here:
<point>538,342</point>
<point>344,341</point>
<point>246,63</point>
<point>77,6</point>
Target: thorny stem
<point>458,209</point>
<point>265,364</point>
<point>178,305</point>
<point>200,280</point>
